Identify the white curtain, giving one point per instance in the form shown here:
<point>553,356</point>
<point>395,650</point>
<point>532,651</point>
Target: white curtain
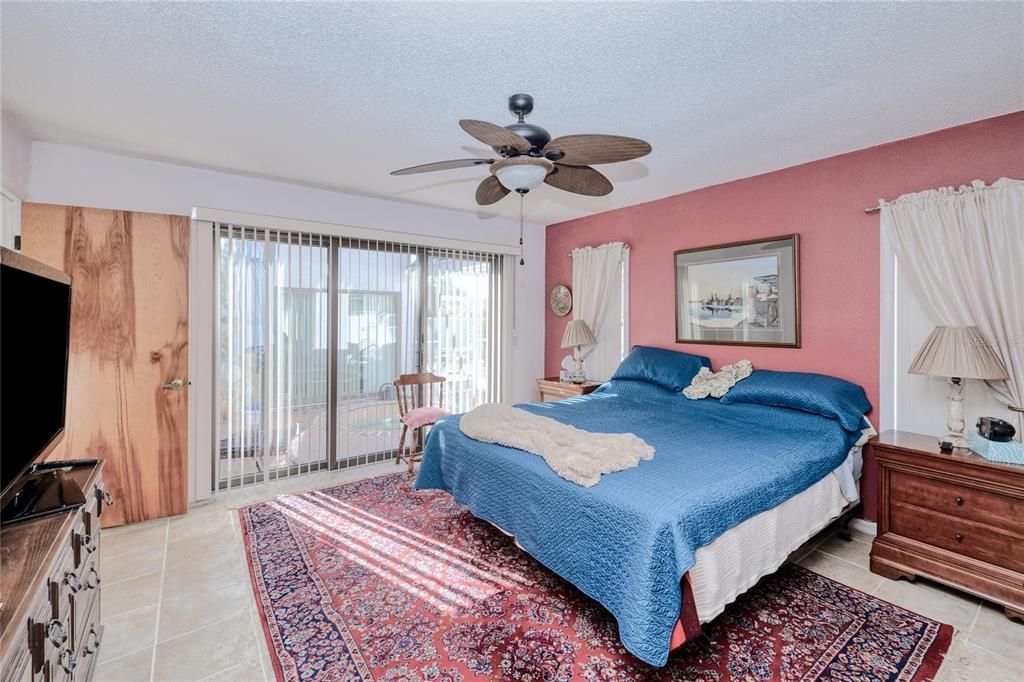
<point>600,280</point>
<point>962,250</point>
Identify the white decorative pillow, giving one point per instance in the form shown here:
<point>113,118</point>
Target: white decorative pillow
<point>718,383</point>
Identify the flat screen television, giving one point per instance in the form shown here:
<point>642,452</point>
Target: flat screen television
<point>35,324</point>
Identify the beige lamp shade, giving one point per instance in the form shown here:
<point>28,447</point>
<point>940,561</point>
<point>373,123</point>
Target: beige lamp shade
<point>577,333</point>
<point>958,352</point>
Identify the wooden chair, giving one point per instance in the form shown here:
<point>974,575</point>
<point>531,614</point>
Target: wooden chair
<point>416,394</point>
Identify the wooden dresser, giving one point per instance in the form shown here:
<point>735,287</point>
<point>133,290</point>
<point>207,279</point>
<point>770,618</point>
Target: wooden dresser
<point>956,518</point>
<point>553,389</point>
<point>50,586</point>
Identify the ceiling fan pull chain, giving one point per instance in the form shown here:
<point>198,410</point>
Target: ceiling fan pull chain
<point>522,197</point>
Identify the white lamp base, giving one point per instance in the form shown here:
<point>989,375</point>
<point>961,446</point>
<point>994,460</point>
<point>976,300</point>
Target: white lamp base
<point>577,375</point>
<point>955,417</point>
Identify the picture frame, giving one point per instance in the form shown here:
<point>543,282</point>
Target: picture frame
<point>740,294</point>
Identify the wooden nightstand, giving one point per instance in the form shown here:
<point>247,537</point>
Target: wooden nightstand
<point>553,389</point>
<point>956,518</point>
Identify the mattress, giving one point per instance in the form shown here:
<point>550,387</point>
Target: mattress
<point>742,555</point>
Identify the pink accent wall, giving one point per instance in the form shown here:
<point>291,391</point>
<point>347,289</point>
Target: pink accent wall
<point>824,202</point>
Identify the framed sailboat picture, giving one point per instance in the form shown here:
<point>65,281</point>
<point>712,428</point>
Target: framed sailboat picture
<point>744,293</point>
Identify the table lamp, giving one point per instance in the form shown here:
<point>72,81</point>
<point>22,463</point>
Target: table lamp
<point>577,334</point>
<point>957,353</point>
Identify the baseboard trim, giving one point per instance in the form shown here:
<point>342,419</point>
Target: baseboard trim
<point>864,526</point>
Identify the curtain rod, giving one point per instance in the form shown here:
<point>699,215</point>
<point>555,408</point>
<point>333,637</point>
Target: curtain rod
<point>964,189</point>
<point>624,245</point>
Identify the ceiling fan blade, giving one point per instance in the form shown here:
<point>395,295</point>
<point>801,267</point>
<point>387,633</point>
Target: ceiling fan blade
<point>584,150</point>
<point>442,165</point>
<point>494,135</point>
<point>490,191</point>
<point>579,180</point>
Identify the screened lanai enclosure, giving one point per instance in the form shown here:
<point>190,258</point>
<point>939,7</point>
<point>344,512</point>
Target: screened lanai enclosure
<point>312,330</point>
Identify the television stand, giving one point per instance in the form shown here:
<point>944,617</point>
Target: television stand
<point>50,622</point>
<point>46,489</point>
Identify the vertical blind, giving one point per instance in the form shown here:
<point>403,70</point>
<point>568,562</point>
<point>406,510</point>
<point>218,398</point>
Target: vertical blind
<point>312,330</point>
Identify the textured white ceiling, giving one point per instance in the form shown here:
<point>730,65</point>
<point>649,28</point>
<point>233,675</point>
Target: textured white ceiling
<point>337,95</point>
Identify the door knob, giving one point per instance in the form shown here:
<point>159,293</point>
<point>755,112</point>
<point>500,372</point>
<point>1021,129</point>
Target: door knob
<point>174,385</point>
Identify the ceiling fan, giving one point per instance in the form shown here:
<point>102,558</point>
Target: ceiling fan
<point>529,157</point>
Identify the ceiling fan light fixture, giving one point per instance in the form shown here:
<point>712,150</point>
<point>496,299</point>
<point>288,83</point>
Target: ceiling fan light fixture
<point>529,157</point>
<point>521,173</point>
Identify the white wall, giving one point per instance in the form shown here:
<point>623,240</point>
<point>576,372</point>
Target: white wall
<point>912,402</point>
<point>15,156</point>
<point>61,174</point>
<point>15,161</point>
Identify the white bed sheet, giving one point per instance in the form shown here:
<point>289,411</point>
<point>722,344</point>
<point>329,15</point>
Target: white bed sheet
<point>742,555</point>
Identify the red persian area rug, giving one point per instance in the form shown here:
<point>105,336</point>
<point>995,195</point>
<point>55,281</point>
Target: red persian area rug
<point>374,580</point>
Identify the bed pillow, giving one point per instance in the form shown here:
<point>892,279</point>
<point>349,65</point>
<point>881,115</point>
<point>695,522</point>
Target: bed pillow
<point>667,368</point>
<point>817,393</point>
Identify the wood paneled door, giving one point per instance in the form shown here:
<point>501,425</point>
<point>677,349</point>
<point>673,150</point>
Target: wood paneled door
<point>129,341</point>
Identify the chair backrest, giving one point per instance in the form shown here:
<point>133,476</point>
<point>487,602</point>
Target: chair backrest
<point>419,390</point>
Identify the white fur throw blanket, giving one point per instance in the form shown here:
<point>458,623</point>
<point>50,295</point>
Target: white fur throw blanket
<point>575,455</point>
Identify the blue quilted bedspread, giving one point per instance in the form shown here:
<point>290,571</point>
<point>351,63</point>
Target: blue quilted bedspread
<point>628,541</point>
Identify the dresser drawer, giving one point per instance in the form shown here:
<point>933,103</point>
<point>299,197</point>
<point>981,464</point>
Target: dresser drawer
<point>959,535</point>
<point>65,582</point>
<point>85,602</point>
<point>18,664</point>
<point>62,665</point>
<point>28,658</point>
<point>987,508</point>
<point>87,643</point>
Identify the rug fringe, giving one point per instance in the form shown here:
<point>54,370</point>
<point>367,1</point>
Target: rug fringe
<point>935,656</point>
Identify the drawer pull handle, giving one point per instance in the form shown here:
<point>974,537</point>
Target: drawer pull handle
<point>71,580</point>
<point>56,632</point>
<point>93,646</point>
<point>68,661</point>
<point>959,501</point>
<point>108,499</point>
<point>92,581</point>
<point>959,537</point>
<point>88,543</point>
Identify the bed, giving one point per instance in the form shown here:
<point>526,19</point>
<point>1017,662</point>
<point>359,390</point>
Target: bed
<point>732,489</point>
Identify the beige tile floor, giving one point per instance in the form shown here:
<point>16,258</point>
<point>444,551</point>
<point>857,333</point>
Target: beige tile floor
<point>177,603</point>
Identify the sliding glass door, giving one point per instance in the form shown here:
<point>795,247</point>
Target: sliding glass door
<point>312,331</point>
<point>462,325</point>
<point>378,335</point>
<point>273,354</point>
